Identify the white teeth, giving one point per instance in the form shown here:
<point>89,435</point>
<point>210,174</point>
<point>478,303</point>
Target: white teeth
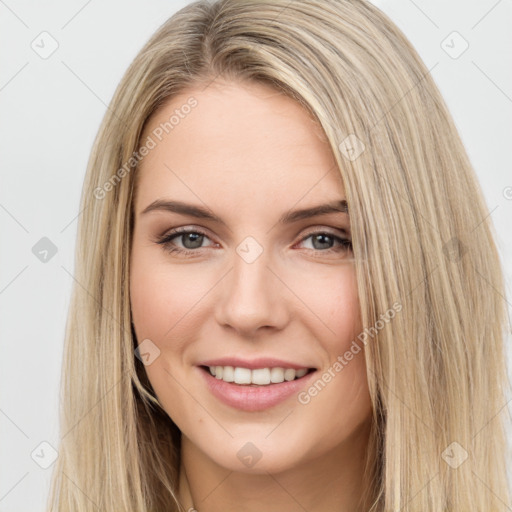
<point>258,376</point>
<point>228,374</point>
<point>289,374</point>
<point>261,376</point>
<point>242,376</point>
<point>276,375</point>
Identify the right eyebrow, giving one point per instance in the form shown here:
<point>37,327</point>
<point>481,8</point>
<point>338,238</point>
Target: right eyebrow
<point>183,208</point>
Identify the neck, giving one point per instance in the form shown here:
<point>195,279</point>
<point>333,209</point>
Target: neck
<point>331,482</point>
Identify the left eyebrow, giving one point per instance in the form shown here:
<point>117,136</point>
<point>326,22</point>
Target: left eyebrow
<point>322,209</point>
<point>204,213</point>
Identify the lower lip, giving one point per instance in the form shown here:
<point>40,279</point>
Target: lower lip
<point>254,398</point>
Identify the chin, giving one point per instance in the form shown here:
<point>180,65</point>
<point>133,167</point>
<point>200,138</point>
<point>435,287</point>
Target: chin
<point>257,454</point>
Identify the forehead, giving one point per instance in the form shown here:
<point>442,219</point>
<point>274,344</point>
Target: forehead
<point>239,144</point>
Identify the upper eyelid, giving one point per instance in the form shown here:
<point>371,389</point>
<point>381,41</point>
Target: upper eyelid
<point>339,231</point>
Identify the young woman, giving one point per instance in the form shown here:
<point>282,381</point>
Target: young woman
<point>289,296</point>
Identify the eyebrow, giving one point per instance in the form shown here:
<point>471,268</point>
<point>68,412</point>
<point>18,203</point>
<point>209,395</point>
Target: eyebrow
<point>289,217</point>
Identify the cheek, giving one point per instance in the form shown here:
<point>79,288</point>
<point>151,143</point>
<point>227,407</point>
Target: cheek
<point>165,304</point>
<point>163,300</point>
<point>342,382</point>
<point>344,308</point>
<point>332,299</point>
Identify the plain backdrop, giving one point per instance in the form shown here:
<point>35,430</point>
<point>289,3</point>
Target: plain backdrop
<point>51,108</point>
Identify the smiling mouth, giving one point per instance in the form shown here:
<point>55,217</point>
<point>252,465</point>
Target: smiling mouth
<point>257,376</point>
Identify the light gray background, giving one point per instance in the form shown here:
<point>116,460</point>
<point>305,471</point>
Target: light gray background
<point>50,112</point>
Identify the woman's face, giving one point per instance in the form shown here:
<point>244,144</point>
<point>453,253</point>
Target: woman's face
<point>249,285</point>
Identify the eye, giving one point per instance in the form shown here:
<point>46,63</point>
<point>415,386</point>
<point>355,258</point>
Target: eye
<point>191,240</point>
<point>324,241</point>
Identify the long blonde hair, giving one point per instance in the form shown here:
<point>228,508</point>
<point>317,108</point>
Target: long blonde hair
<point>421,237</point>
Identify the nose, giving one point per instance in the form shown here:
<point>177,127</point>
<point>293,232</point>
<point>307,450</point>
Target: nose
<point>252,298</point>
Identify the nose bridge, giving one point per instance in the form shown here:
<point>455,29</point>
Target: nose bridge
<point>251,297</point>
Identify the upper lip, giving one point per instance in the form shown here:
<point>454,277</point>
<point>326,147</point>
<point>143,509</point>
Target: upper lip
<point>260,362</point>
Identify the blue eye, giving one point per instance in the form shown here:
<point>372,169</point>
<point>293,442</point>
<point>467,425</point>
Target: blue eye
<point>192,241</point>
<point>320,239</point>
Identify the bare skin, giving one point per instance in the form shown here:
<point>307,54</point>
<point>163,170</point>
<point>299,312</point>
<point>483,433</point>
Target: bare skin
<point>249,154</point>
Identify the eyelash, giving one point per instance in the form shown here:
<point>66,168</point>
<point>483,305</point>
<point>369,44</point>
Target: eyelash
<point>165,241</point>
